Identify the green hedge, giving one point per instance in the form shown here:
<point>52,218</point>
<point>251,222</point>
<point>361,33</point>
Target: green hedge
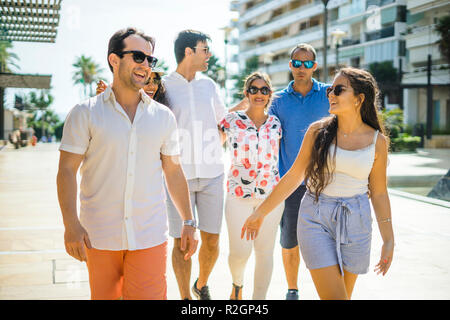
<point>404,142</point>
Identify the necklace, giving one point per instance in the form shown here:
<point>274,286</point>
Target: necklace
<point>347,134</point>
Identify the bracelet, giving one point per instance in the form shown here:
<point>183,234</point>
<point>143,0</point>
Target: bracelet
<point>385,220</point>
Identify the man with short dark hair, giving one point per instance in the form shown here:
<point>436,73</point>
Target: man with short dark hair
<point>124,142</point>
<point>297,106</point>
<point>195,100</point>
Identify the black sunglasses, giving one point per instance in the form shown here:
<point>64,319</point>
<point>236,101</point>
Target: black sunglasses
<point>139,57</point>
<point>155,81</point>
<point>254,90</point>
<point>205,49</point>
<point>337,90</point>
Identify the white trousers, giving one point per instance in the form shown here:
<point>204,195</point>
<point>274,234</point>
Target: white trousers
<point>237,210</point>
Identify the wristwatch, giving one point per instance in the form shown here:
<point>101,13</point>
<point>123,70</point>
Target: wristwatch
<point>191,223</point>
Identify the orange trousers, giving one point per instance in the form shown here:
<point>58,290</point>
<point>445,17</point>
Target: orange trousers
<point>131,275</point>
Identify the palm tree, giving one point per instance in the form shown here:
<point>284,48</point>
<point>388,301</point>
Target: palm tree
<point>7,59</point>
<point>87,72</point>
<point>40,104</point>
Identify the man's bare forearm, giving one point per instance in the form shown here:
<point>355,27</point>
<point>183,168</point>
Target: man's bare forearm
<point>67,196</point>
<point>179,192</point>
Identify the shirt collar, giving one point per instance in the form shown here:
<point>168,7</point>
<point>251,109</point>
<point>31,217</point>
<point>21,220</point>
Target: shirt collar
<point>109,94</point>
<point>315,87</point>
<point>178,76</point>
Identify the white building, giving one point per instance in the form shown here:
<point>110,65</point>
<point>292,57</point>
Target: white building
<point>421,41</point>
<point>271,28</point>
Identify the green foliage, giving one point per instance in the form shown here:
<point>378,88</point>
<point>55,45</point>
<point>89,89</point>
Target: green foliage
<point>7,59</point>
<point>43,120</point>
<point>443,28</point>
<point>404,142</point>
<point>399,133</point>
<point>251,65</point>
<point>393,122</point>
<point>162,65</point>
<point>384,72</point>
<point>216,71</point>
<point>87,73</point>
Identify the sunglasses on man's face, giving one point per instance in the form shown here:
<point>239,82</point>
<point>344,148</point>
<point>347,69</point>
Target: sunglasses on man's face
<point>308,64</point>
<point>337,90</point>
<point>206,49</point>
<point>139,57</point>
<point>254,90</point>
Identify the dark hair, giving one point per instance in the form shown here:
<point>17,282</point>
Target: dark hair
<point>304,47</point>
<point>160,94</point>
<point>318,173</point>
<point>116,44</point>
<point>188,39</point>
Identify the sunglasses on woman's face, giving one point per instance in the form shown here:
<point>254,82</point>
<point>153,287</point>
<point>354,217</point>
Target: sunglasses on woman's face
<point>139,57</point>
<point>254,90</point>
<point>337,90</point>
<point>308,64</point>
<point>155,81</point>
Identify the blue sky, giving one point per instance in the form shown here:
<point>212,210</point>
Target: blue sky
<point>86,26</point>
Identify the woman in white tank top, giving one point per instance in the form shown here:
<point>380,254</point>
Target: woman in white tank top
<point>343,158</point>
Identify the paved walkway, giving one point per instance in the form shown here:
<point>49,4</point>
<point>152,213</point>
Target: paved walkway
<point>34,265</point>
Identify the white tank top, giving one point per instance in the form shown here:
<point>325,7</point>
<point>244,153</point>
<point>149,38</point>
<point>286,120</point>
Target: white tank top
<point>351,170</point>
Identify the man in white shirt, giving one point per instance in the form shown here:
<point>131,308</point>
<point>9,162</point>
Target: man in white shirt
<point>195,100</point>
<point>124,142</point>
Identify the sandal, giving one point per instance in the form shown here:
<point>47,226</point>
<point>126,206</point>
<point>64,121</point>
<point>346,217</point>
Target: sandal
<point>237,289</point>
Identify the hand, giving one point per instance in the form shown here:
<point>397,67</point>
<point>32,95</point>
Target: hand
<point>101,86</point>
<point>75,238</point>
<point>387,253</point>
<point>252,226</point>
<point>189,236</point>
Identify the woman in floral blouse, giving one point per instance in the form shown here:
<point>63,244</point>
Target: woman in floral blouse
<point>253,137</point>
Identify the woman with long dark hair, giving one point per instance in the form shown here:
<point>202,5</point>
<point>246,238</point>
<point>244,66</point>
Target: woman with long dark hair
<point>343,160</point>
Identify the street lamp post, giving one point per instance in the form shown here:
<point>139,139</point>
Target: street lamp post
<point>325,35</point>
<point>227,30</point>
<point>337,37</point>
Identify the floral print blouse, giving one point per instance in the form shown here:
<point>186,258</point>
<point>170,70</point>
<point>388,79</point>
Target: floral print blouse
<point>254,155</point>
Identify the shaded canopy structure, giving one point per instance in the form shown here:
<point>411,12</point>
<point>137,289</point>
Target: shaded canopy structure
<point>28,21</point>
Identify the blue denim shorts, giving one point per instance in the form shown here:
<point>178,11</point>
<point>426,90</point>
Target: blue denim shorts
<point>335,231</point>
<point>288,223</point>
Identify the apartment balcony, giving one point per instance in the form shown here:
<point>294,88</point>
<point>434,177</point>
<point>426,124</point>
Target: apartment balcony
<point>417,6</point>
<point>235,6</point>
<point>355,9</point>
<point>286,19</point>
<point>283,43</point>
<point>380,3</point>
<point>262,8</point>
<point>421,36</point>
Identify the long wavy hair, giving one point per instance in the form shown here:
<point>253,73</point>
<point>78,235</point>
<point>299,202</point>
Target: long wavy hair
<point>320,169</point>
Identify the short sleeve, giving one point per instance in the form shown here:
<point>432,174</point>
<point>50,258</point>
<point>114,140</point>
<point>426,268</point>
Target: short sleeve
<point>219,106</point>
<point>170,145</point>
<point>76,135</point>
<point>226,123</point>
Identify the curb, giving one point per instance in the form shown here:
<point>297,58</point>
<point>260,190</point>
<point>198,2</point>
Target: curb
<point>437,202</point>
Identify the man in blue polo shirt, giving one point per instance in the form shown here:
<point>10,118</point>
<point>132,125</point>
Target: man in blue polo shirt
<point>300,104</point>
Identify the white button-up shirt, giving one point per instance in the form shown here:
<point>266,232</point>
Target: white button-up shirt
<point>121,191</point>
<point>198,108</point>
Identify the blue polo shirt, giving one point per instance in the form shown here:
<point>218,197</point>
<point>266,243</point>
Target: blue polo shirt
<point>296,113</point>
